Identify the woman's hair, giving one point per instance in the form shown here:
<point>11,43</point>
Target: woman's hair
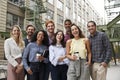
<point>45,40</point>
<point>49,21</point>
<point>80,32</point>
<point>62,41</point>
<point>21,42</point>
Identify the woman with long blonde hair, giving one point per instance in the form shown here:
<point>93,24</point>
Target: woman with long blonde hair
<point>13,48</point>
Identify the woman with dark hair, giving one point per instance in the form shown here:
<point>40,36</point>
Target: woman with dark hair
<point>57,57</point>
<point>78,49</point>
<point>34,53</point>
<point>45,41</point>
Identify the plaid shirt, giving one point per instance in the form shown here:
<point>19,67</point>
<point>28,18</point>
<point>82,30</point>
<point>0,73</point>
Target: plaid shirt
<point>100,47</point>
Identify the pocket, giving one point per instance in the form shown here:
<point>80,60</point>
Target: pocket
<point>86,71</point>
<point>86,67</point>
<point>101,68</point>
<point>71,68</point>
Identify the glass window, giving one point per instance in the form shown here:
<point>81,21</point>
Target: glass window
<point>74,15</point>
<point>60,5</point>
<point>67,12</point>
<point>15,1</point>
<point>67,2</point>
<point>78,18</point>
<point>74,5</point>
<point>14,20</point>
<point>79,9</point>
<point>83,21</point>
<point>60,19</point>
<point>50,1</point>
<point>21,23</point>
<point>9,20</point>
<point>79,6</point>
<point>50,14</point>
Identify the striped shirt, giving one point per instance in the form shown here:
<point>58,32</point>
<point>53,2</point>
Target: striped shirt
<point>100,47</point>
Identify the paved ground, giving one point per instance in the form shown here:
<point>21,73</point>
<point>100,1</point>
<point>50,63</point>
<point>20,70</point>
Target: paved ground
<point>113,72</point>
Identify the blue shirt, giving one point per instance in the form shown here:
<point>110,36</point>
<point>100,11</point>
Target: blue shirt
<point>100,47</point>
<point>30,53</point>
<point>55,52</point>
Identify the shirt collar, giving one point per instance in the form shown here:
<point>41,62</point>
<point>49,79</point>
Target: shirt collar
<point>94,34</point>
<point>58,45</point>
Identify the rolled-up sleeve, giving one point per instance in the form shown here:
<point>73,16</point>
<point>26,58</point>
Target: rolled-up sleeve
<point>52,57</point>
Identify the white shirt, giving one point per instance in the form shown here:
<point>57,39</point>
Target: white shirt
<point>12,51</point>
<point>55,52</point>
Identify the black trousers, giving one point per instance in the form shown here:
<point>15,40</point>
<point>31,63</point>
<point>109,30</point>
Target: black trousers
<point>38,71</point>
<point>59,72</point>
<point>26,74</point>
<point>47,70</point>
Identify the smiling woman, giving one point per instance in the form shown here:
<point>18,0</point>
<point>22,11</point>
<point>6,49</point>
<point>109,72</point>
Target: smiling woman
<point>33,53</point>
<point>58,58</point>
<point>13,48</point>
<point>79,54</point>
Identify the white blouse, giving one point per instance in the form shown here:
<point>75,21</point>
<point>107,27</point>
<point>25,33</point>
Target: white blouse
<point>55,52</point>
<point>12,51</point>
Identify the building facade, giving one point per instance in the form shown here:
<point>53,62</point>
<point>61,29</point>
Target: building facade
<point>3,11</point>
<point>112,8</point>
<point>79,11</point>
<point>10,14</point>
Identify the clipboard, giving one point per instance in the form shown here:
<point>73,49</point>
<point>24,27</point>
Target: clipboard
<point>46,53</point>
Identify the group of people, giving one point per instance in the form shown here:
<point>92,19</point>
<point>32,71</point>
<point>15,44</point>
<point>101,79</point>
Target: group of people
<point>69,56</point>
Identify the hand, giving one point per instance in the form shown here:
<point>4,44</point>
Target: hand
<point>19,69</point>
<point>61,58</point>
<point>73,57</point>
<point>88,63</point>
<point>29,71</point>
<point>104,64</point>
<point>41,58</point>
